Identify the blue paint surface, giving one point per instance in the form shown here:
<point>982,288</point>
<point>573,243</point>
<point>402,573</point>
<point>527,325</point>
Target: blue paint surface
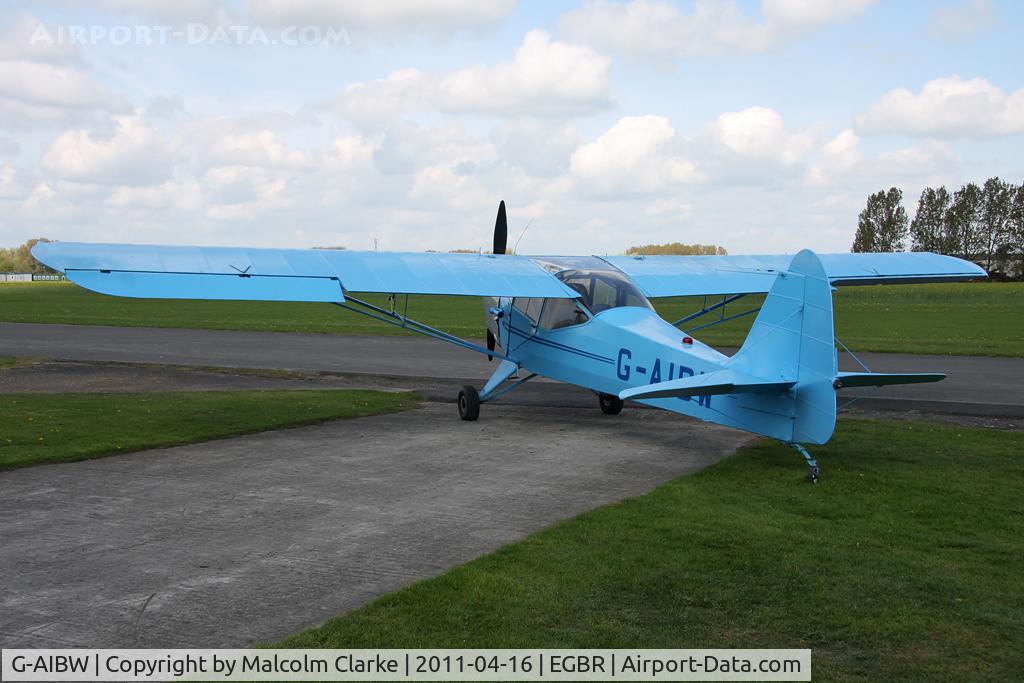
<point>780,384</point>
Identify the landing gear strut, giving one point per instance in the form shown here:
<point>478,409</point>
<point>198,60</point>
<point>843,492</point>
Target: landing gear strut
<point>610,404</point>
<point>813,471</point>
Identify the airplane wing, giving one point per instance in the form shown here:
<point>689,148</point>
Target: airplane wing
<point>324,275</point>
<point>699,275</point>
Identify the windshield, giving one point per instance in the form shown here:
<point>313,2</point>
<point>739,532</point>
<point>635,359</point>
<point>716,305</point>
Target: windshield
<point>600,290</point>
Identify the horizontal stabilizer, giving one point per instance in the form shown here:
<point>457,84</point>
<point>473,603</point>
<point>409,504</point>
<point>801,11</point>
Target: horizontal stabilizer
<point>880,379</point>
<point>710,384</point>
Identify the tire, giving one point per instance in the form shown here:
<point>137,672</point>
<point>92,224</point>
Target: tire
<point>610,405</point>
<point>469,403</point>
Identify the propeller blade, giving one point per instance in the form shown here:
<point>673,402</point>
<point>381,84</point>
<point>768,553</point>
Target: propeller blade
<point>491,342</point>
<point>500,230</point>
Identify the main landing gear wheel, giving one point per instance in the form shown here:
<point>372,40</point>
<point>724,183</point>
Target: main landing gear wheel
<point>469,403</point>
<point>610,405</point>
<point>812,475</point>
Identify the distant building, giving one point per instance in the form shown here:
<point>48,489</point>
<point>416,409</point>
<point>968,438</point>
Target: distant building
<point>30,277</point>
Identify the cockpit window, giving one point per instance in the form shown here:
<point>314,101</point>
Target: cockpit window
<point>529,307</point>
<point>603,289</point>
<point>559,313</point>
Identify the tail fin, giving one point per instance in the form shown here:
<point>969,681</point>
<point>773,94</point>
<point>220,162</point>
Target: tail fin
<point>792,340</point>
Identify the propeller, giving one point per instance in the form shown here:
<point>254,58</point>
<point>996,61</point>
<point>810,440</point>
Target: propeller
<point>500,230</point>
<point>491,342</point>
<point>500,244</point>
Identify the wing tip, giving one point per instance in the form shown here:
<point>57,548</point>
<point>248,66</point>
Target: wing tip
<point>47,253</point>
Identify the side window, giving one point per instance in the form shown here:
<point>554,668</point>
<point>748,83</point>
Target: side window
<point>560,313</point>
<point>604,295</point>
<point>633,299</point>
<point>529,307</point>
<point>522,305</point>
<point>533,309</point>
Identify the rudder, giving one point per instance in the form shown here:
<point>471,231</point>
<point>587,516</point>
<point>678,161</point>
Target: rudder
<point>793,338</point>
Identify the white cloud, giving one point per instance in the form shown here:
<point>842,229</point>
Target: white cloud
<point>790,16</point>
<point>256,139</point>
<point>444,186</point>
<point>638,155</point>
<point>26,38</point>
<point>263,148</point>
<point>349,152</point>
<point>838,183</point>
<point>844,148</point>
<point>842,163</point>
<point>947,107</point>
<point>541,148</point>
<point>45,82</point>
<point>931,161</point>
<point>957,22</point>
<point>51,86</point>
<point>9,147</point>
<point>546,78</point>
<point>403,90</point>
<point>165,107</point>
<point>661,31</point>
<point>406,147</point>
<point>670,208</point>
<point>179,196</point>
<point>14,183</point>
<point>839,154</point>
<point>759,133</point>
<point>242,185</point>
<point>42,196</point>
<point>389,18</point>
<point>135,154</point>
<point>177,12</point>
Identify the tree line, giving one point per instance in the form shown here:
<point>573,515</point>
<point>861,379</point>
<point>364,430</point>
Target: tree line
<point>19,259</point>
<point>984,224</point>
<point>676,249</point>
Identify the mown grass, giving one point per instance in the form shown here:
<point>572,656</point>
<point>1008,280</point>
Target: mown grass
<point>963,319</point>
<point>61,302</point>
<point>48,428</point>
<point>903,564</point>
<point>11,363</point>
<point>973,319</point>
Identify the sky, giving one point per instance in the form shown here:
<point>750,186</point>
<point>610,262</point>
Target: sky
<point>757,126</point>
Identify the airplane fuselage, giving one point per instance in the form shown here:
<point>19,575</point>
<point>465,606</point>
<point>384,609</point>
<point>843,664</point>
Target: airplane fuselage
<point>615,350</point>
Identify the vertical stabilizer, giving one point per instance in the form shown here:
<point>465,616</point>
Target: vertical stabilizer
<point>793,338</point>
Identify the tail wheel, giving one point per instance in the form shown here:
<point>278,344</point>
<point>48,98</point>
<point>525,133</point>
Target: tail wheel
<point>469,403</point>
<point>610,405</point>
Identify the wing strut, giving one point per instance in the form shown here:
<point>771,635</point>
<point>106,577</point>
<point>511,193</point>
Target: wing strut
<point>397,319</point>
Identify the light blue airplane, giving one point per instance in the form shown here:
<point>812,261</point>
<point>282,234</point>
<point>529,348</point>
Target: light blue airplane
<point>586,321</point>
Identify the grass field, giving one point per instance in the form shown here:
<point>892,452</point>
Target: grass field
<point>967,319</point>
<point>9,363</point>
<point>962,319</point>
<point>904,564</point>
<point>46,428</point>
